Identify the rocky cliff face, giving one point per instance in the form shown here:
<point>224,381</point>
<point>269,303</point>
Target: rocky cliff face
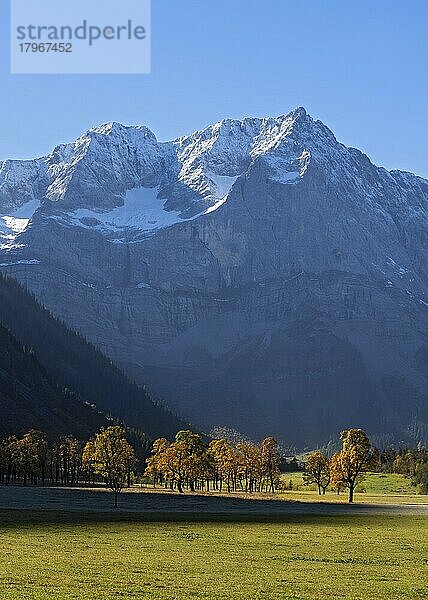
<point>257,274</point>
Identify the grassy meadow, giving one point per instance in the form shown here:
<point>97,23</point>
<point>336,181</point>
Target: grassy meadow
<point>377,488</point>
<point>76,548</point>
<point>299,558</point>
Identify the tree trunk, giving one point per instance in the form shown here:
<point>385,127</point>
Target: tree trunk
<point>351,493</point>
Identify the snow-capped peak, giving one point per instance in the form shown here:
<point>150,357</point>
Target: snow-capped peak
<point>188,177</point>
<point>115,128</point>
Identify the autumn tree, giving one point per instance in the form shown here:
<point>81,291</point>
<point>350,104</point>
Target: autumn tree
<point>233,468</point>
<point>25,458</point>
<point>356,457</point>
<point>182,460</point>
<point>8,458</point>
<point>420,478</point>
<point>336,475</point>
<point>89,461</point>
<point>173,465</point>
<point>69,457</point>
<point>40,448</point>
<point>112,457</point>
<point>251,464</point>
<point>270,461</point>
<point>218,449</point>
<point>191,446</point>
<point>317,470</point>
<point>406,461</point>
<point>155,464</point>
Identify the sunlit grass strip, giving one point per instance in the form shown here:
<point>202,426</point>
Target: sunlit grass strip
<point>310,558</point>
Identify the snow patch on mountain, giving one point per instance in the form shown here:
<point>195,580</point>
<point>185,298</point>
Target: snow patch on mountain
<point>15,223</point>
<point>281,170</point>
<point>21,262</point>
<point>142,209</point>
<point>222,184</point>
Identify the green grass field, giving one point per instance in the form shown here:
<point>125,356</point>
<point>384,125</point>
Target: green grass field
<point>310,558</point>
<point>375,488</point>
<point>373,484</point>
<point>70,553</point>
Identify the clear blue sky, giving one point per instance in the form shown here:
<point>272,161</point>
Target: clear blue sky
<point>360,66</point>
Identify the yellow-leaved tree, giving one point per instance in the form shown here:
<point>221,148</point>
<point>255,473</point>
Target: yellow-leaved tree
<point>251,464</point>
<point>270,462</point>
<point>110,455</point>
<point>156,468</point>
<point>317,470</point>
<point>356,457</point>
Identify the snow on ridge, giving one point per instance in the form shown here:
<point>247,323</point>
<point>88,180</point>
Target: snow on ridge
<point>114,127</point>
<point>222,185</point>
<point>15,223</point>
<point>21,262</point>
<point>401,270</point>
<point>215,206</point>
<point>229,147</point>
<point>193,174</point>
<point>287,168</point>
<point>219,187</point>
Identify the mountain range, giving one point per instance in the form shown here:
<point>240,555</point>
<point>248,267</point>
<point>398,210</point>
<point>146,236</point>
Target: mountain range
<point>257,274</point>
